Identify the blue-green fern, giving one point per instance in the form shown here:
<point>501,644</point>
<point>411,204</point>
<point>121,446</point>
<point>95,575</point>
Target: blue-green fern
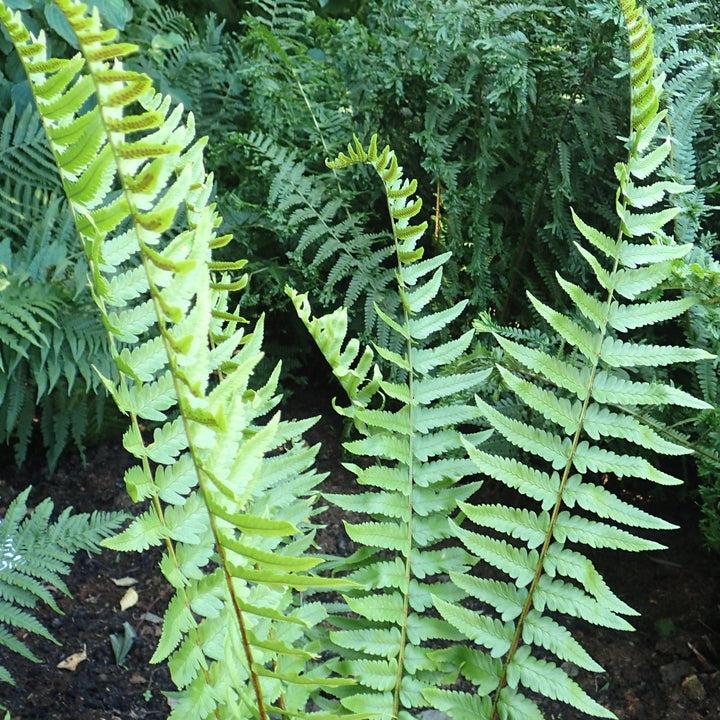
<point>50,335</point>
<point>36,553</point>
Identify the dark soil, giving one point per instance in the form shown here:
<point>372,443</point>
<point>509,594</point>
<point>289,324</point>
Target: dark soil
<point>669,669</point>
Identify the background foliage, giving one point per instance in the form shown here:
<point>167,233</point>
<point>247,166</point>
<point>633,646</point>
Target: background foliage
<point>494,107</point>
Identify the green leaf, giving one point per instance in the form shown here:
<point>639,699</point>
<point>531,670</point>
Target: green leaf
<point>388,535</point>
<point>634,254</point>
<point>516,562</point>
<point>601,241</point>
<point>548,679</point>
<point>630,317</point>
<point>562,373</point>
<point>556,409</point>
<point>523,524</point>
<point>459,705</point>
<point>429,389</point>
<point>643,166</point>
<point>423,327</point>
<point>631,283</point>
<point>553,448</point>
<point>379,607</point>
<point>545,632</point>
<point>504,597</point>
<point>638,224</point>
<point>590,307</point>
<point>584,341</point>
<point>495,635</point>
<point>619,353</point>
<point>382,642</point>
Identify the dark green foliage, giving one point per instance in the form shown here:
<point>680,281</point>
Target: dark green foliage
<point>36,553</point>
<point>51,337</point>
<point>332,242</point>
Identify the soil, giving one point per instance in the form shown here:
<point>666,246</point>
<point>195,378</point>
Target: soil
<point>669,669</point>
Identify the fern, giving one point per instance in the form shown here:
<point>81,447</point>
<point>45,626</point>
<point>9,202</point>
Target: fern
<point>51,343</point>
<point>35,554</point>
<point>570,395</point>
<point>230,493</point>
<point>408,427</point>
<point>330,240</point>
<point>230,484</point>
<point>50,334</point>
<point>195,65</point>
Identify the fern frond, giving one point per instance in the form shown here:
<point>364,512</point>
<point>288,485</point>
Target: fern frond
<point>567,400</point>
<point>407,427</point>
<point>34,554</point>
<point>226,483</point>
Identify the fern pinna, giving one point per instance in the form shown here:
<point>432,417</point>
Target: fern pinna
<point>229,492</point>
<point>408,427</point>
<point>578,399</point>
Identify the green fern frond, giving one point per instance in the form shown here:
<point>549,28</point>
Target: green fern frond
<point>34,554</point>
<point>569,397</point>
<point>407,427</point>
<point>229,482</point>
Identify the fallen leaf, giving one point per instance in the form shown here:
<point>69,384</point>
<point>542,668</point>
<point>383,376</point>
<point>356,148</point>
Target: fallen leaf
<point>129,599</point>
<point>124,581</point>
<point>72,661</point>
<point>137,679</point>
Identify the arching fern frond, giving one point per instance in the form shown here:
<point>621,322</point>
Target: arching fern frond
<point>229,485</point>
<point>410,460</point>
<point>561,451</point>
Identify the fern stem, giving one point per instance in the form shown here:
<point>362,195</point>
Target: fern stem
<point>436,234</point>
<point>236,606</point>
<point>319,131</point>
<point>411,463</point>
